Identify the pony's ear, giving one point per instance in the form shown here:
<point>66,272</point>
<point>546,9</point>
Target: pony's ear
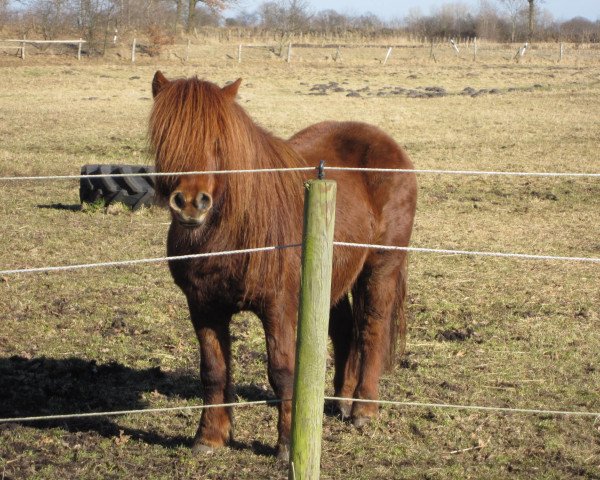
<point>158,83</point>
<point>231,90</point>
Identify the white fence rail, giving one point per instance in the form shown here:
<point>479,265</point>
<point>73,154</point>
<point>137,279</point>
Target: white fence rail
<point>24,41</point>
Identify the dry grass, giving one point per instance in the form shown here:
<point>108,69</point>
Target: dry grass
<point>483,331</point>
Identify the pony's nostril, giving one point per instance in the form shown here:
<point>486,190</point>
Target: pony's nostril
<point>203,201</point>
<point>178,200</point>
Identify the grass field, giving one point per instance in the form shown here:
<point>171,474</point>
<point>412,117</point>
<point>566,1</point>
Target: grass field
<point>493,332</point>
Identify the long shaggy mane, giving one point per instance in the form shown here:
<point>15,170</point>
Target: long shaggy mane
<point>194,126</point>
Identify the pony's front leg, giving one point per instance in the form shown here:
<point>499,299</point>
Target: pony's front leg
<point>281,346</point>
<point>212,330</point>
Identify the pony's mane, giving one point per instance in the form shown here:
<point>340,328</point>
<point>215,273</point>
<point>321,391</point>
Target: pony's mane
<point>194,126</point>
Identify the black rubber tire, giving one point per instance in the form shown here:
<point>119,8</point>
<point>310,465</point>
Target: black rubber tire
<point>134,192</point>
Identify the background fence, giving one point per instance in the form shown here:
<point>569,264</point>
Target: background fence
<point>256,50</point>
<point>46,43</point>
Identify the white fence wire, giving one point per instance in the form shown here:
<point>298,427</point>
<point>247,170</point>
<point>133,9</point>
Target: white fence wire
<point>124,263</point>
<point>308,169</point>
<point>274,248</point>
<point>345,244</point>
<point>532,411</point>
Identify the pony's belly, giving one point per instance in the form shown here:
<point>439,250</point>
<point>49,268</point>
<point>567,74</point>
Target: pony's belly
<point>347,265</point>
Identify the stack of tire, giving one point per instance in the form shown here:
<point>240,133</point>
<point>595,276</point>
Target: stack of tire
<point>133,191</point>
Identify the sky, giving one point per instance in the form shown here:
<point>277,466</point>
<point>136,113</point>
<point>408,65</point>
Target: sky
<point>390,9</point>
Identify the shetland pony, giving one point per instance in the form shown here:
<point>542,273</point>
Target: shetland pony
<point>197,126</point>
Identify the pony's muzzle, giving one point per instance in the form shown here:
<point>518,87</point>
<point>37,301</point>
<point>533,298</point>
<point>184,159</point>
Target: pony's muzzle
<point>190,212</point>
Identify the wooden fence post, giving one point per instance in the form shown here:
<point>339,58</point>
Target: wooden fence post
<point>562,50</point>
<point>454,46</point>
<point>23,50</point>
<point>133,51</point>
<point>431,55</point>
<point>187,50</point>
<point>79,50</point>
<point>338,54</point>
<point>521,52</point>
<point>387,55</point>
<point>313,321</point>
<point>475,49</point>
<point>240,53</point>
<point>289,55</point>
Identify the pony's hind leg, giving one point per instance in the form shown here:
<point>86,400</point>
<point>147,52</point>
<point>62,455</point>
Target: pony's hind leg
<point>376,302</point>
<point>344,337</point>
<point>212,330</point>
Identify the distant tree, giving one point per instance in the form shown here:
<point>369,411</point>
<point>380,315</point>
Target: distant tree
<point>533,6</point>
<point>330,21</point>
<point>488,20</point>
<point>178,14</point>
<point>288,16</point>
<point>271,15</point>
<point>215,5</point>
<point>298,15</point>
<point>448,20</point>
<point>207,17</point>
<point>413,22</point>
<point>50,16</point>
<point>546,27</point>
<point>515,9</point>
<point>4,12</point>
<point>367,21</point>
<point>243,19</point>
<point>580,30</point>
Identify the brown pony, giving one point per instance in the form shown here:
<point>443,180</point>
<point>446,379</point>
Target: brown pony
<point>197,126</point>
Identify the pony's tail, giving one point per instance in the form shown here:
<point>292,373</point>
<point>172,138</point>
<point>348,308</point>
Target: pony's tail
<point>397,338</point>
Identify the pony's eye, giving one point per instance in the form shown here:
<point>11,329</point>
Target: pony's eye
<point>179,200</point>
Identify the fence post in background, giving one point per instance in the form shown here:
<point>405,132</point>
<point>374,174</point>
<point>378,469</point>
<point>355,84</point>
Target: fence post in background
<point>79,50</point>
<point>313,321</point>
<point>338,54</point>
<point>521,52</point>
<point>23,49</point>
<point>240,53</point>
<point>475,49</point>
<point>133,51</point>
<point>289,55</point>
<point>187,50</point>
<point>387,55</point>
<point>562,50</point>
<point>431,55</point>
<point>454,46</point>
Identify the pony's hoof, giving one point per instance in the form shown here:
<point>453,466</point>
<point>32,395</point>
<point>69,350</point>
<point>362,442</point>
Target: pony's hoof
<point>345,408</point>
<point>360,422</point>
<point>283,453</point>
<point>201,449</point>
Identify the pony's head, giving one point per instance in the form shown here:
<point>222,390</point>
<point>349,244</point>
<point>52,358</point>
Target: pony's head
<point>194,126</point>
<point>197,126</point>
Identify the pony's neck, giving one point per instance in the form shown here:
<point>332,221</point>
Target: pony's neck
<point>268,150</point>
